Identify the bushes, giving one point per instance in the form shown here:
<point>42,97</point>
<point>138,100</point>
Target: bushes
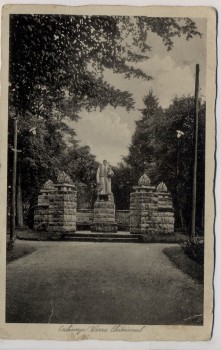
<point>194,248</point>
<point>20,250</point>
<point>160,238</point>
<point>184,263</point>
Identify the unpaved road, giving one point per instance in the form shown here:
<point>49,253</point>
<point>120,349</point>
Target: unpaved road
<point>107,283</point>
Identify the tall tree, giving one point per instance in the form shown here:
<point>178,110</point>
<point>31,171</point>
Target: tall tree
<point>142,149</point>
<point>170,159</point>
<point>56,70</point>
<point>55,56</point>
<point>80,164</point>
<point>122,184</point>
<point>180,116</point>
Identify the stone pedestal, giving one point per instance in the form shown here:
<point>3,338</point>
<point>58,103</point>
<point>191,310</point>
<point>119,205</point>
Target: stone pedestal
<point>62,209</point>
<point>104,217</point>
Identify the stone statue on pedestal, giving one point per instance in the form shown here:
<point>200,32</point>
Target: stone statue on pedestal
<point>104,175</point>
<point>104,207</point>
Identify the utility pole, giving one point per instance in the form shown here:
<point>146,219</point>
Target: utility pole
<point>19,197</point>
<point>195,143</point>
<point>14,174</point>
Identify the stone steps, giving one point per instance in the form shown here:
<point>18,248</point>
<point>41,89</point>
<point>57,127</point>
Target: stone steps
<point>102,237</point>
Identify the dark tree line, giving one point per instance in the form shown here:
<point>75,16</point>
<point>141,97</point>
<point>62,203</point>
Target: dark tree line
<point>55,71</point>
<point>155,146</point>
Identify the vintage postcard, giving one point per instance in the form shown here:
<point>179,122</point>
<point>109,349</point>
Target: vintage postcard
<point>107,172</point>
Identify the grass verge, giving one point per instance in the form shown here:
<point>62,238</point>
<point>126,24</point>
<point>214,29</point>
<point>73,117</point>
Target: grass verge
<point>19,251</point>
<point>184,263</point>
<point>160,238</point>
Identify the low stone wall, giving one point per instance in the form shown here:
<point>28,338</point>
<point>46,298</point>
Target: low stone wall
<point>123,219</point>
<point>85,219</point>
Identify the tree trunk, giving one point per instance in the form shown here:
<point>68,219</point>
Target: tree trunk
<point>13,192</point>
<point>182,219</point>
<point>20,221</point>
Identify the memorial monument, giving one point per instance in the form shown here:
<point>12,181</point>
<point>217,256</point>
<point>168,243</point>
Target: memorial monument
<point>104,175</point>
<point>104,207</point>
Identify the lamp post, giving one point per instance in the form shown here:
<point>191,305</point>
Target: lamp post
<point>179,134</point>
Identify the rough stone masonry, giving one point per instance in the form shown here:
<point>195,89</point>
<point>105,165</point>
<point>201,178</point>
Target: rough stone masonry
<point>57,206</point>
<point>151,210</point>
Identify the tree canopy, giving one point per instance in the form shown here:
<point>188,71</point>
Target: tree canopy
<point>156,147</point>
<point>56,70</point>
<point>56,61</point>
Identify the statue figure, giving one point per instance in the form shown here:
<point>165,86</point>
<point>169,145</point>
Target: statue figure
<point>104,175</point>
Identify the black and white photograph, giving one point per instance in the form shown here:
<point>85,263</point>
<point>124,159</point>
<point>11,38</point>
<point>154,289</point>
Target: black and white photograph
<point>109,172</point>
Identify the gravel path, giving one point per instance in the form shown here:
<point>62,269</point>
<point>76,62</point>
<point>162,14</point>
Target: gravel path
<point>107,283</point>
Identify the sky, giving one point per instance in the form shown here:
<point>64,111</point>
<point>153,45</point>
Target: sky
<point>108,133</point>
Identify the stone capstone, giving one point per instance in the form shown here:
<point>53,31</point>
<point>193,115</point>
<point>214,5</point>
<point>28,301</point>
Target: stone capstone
<point>162,187</point>
<point>49,185</point>
<point>144,180</point>
<point>63,178</point>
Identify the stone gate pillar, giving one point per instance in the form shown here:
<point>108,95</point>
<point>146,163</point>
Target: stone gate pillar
<point>41,214</point>
<point>143,207</point>
<point>165,217</point>
<point>62,206</point>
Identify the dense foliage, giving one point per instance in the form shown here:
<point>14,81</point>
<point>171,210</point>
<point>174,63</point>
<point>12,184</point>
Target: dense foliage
<point>56,70</point>
<point>56,62</point>
<point>194,248</point>
<point>156,147</point>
